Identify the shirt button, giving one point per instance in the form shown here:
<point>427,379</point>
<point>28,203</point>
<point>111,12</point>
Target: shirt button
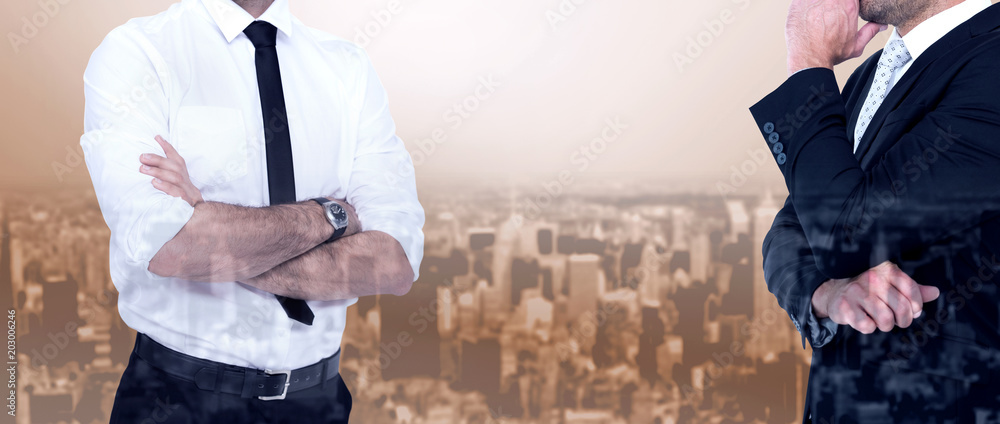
<point>769,127</point>
<point>778,148</point>
<point>782,158</point>
<point>773,138</point>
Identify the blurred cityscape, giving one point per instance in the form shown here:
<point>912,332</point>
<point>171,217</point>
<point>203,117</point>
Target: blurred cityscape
<point>614,304</point>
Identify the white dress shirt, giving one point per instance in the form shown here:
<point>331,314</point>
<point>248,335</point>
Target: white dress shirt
<point>188,74</point>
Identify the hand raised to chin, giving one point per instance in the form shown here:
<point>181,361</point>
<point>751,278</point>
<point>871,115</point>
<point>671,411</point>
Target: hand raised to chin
<point>824,33</point>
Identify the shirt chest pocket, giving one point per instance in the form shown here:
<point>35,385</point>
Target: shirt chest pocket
<point>213,142</point>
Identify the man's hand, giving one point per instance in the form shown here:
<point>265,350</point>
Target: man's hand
<point>881,298</point>
<point>170,173</point>
<point>824,33</point>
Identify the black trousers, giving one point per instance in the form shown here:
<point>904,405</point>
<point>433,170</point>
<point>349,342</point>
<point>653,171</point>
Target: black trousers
<point>147,395</point>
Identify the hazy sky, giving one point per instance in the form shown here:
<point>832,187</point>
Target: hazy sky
<point>562,75</point>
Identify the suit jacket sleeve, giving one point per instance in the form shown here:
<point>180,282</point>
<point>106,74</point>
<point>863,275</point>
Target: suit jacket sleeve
<point>937,179</point>
<point>791,275</point>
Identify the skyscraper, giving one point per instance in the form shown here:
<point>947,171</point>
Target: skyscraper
<point>701,255</point>
<point>585,284</point>
<point>739,220</point>
<point>481,366</point>
<point>778,336</point>
<point>546,241</point>
<point>6,277</point>
<point>422,356</point>
<point>681,220</point>
<point>507,247</point>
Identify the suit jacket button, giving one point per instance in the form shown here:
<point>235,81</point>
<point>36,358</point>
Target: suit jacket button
<point>769,127</point>
<point>773,138</point>
<point>782,158</point>
<point>778,148</point>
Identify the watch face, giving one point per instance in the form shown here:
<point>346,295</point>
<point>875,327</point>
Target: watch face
<point>339,215</point>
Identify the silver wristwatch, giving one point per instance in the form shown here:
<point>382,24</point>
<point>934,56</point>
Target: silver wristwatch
<point>336,215</point>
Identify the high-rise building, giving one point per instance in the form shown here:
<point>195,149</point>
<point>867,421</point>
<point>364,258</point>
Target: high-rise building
<point>586,282</point>
<point>546,241</point>
<point>701,256</point>
<point>6,272</point>
<point>481,366</point>
<point>507,247</point>
<point>524,275</point>
<point>777,383</point>
<point>681,218</point>
<point>555,267</point>
<point>470,311</point>
<point>60,317</point>
<point>481,238</point>
<point>739,219</point>
<point>422,356</point>
<point>536,312</point>
<point>16,263</point>
<point>681,259</point>
<point>538,238</point>
<point>630,261</point>
<point>650,277</point>
<point>778,336</point>
<point>742,296</point>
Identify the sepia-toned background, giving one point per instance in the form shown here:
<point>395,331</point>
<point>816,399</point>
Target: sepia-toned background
<point>595,211</point>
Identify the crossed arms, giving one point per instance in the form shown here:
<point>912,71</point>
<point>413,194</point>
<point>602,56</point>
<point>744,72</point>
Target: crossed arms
<point>162,225</point>
<point>279,249</point>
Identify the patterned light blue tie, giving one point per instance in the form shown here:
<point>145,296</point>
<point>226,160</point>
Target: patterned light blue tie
<point>894,56</point>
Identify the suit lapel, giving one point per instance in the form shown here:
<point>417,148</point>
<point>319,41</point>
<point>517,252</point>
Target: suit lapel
<point>895,97</point>
<point>872,146</point>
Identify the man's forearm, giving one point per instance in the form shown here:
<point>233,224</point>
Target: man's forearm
<point>224,242</point>
<point>364,264</point>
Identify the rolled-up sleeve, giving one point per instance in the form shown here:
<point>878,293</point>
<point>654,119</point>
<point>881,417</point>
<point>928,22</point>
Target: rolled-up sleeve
<point>382,185</point>
<point>126,107</point>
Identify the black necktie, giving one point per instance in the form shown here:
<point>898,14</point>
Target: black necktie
<point>277,140</point>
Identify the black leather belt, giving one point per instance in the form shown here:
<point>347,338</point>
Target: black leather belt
<point>246,382</point>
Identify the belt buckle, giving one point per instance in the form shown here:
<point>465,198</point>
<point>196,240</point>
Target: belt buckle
<point>288,381</point>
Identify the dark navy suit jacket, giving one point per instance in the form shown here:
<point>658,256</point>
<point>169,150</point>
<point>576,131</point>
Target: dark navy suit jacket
<point>923,191</point>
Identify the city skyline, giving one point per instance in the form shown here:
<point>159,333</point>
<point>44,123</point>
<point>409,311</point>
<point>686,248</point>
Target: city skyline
<point>586,312</point>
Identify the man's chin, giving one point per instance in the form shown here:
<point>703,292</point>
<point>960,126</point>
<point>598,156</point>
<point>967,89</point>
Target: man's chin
<point>870,12</point>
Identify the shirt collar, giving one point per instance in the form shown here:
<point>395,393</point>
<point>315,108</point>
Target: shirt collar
<point>928,32</point>
<point>232,19</point>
